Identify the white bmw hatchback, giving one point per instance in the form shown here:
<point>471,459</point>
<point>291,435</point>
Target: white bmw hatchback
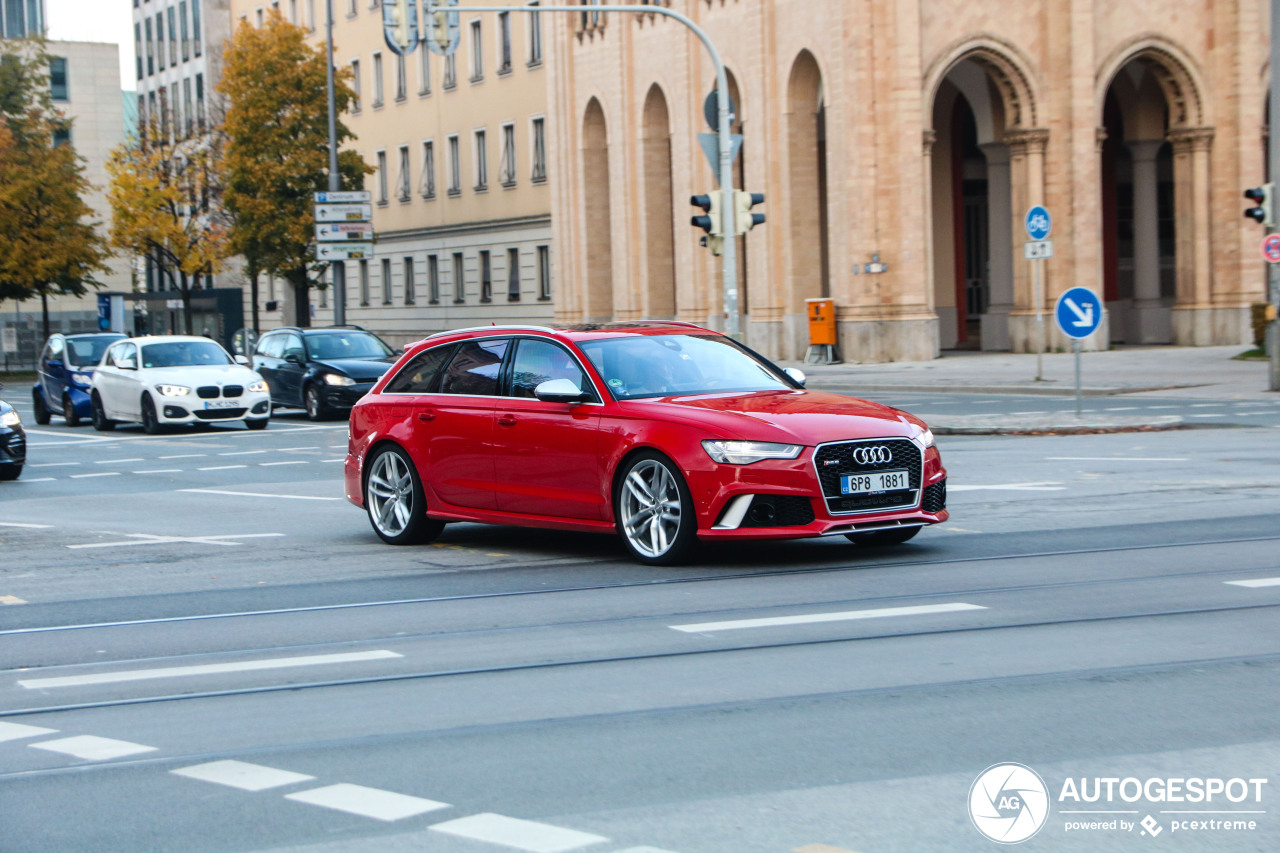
<point>175,379</point>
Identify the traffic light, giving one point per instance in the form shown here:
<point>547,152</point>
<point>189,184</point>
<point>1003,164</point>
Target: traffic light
<point>1261,198</point>
<point>709,221</point>
<point>400,18</point>
<point>743,219</point>
<point>438,25</point>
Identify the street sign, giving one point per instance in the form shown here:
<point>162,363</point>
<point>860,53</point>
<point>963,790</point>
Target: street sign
<point>446,42</point>
<point>711,110</point>
<point>9,339</point>
<point>710,143</point>
<point>1271,248</point>
<point>400,25</point>
<point>344,197</point>
<point>343,251</point>
<point>344,213</point>
<point>1034,250</point>
<point>342,232</point>
<point>1039,223</point>
<point>1079,312</point>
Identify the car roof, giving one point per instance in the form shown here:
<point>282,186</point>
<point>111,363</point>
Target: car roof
<point>574,331</point>
<point>320,330</point>
<point>169,339</point>
<point>79,335</point>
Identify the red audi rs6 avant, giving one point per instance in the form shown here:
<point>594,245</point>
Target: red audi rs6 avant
<point>665,432</point>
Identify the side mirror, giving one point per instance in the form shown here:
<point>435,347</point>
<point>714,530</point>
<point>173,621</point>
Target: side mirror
<point>797,376</point>
<point>293,358</point>
<point>560,391</point>
<point>242,360</point>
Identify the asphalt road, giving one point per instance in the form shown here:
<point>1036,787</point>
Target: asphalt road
<point>205,648</point>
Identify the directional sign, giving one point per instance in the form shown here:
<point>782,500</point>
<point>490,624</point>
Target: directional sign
<point>343,232</point>
<point>1039,223</point>
<point>400,25</point>
<point>343,251</point>
<point>1079,311</point>
<point>710,143</point>
<point>344,197</point>
<point>1034,250</point>
<point>344,213</point>
<point>1271,248</point>
<point>711,110</point>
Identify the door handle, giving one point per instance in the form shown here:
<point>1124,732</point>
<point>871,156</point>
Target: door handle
<point>507,420</point>
<point>426,416</point>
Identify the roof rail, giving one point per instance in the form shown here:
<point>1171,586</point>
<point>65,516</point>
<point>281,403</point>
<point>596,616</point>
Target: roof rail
<point>504,328</point>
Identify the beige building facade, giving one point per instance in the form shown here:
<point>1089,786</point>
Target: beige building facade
<point>461,194</point>
<point>917,133</point>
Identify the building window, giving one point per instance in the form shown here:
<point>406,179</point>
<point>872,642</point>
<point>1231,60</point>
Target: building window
<point>513,275</point>
<point>486,283</point>
<point>259,16</point>
<point>459,284</point>
<point>455,167</point>
<point>477,53</point>
<point>200,102</point>
<point>364,283</point>
<point>433,279</point>
<point>539,132</point>
<point>186,31</point>
<point>403,179</point>
<point>535,37</point>
<point>504,42</point>
<point>151,50</point>
<point>61,134</point>
<point>409,295</point>
<point>187,106</point>
<point>59,89</point>
<point>173,36</point>
<point>544,273</point>
<point>196,38</point>
<point>482,162</point>
<point>355,85</point>
<point>401,85</point>
<point>451,71</point>
<point>160,41</point>
<point>137,47</point>
<point>293,12</point>
<point>377,80</point>
<point>311,15</point>
<point>424,71</point>
<point>507,174</point>
<point>386,281</point>
<point>428,183</point>
<point>351,9</point>
<point>382,177</point>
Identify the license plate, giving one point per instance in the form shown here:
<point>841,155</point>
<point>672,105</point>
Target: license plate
<point>869,484</point>
<point>222,404</point>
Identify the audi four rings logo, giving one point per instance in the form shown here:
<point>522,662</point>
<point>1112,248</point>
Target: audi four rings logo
<point>872,455</point>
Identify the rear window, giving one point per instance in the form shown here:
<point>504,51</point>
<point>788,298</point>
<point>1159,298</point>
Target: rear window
<point>420,374</point>
<point>474,368</point>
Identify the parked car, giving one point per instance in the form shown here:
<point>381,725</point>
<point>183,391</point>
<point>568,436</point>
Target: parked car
<point>667,433</point>
<point>324,371</point>
<point>65,374</point>
<point>13,443</point>
<point>175,379</point>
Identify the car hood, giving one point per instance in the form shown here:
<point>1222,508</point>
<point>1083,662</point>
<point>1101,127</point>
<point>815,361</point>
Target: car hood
<point>359,369</point>
<point>192,376</point>
<point>794,417</point>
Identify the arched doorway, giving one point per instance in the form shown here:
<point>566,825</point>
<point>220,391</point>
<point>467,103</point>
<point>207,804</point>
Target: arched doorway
<point>660,269</point>
<point>809,265</point>
<point>598,305</point>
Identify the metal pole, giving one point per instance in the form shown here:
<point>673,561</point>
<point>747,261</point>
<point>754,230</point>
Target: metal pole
<point>335,180</point>
<point>1075,346</point>
<point>1273,162</point>
<point>1038,296</point>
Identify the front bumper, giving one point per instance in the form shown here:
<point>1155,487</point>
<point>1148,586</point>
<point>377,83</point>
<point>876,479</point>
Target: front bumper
<point>344,396</point>
<point>190,409</point>
<point>13,446</point>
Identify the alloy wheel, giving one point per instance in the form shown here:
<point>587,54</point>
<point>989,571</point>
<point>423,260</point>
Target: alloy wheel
<point>389,494</point>
<point>651,508</point>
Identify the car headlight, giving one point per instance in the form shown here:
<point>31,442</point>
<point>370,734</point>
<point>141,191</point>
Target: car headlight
<point>259,387</point>
<point>173,390</point>
<point>336,379</point>
<point>84,379</point>
<point>925,439</point>
<point>745,452</point>
<point>10,418</point>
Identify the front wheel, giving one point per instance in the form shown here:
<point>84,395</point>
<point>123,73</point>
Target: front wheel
<point>150,423</point>
<point>654,511</point>
<point>100,420</point>
<point>41,410</point>
<point>10,472</point>
<point>69,413</point>
<point>260,423</point>
<point>876,538</point>
<point>396,502</point>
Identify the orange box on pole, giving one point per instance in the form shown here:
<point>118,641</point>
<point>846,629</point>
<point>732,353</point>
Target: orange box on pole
<point>822,322</point>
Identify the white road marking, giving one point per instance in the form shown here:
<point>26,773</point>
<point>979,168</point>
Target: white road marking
<point>1256,583</point>
<point>242,453</point>
<point>32,526</point>
<point>118,461</point>
<point>11,599</point>
<point>92,748</point>
<point>288,462</point>
<point>651,850</point>
<point>242,775</point>
<point>1119,458</point>
<point>337,447</point>
<point>526,835</point>
<point>259,495</point>
<point>843,616</point>
<point>1010,487</point>
<point>17,731</point>
<point>206,669</point>
<point>1121,408</point>
<point>1041,412</point>
<point>1209,416</point>
<point>1206,405</point>
<point>222,467</point>
<point>38,480</point>
<point>160,471</point>
<point>367,802</point>
<point>184,456</point>
<point>1162,407</point>
<point>99,474</point>
<point>149,539</point>
<point>297,449</point>
<point>55,464</point>
<point>343,459</point>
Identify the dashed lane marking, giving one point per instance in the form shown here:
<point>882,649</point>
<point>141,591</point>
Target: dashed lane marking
<point>160,471</point>
<point>184,456</point>
<point>645,850</point>
<point>118,461</point>
<point>17,731</point>
<point>11,599</point>
<point>38,480</point>
<point>92,748</point>
<point>367,802</point>
<point>1119,458</point>
<point>1256,583</point>
<point>843,616</point>
<point>149,539</point>
<point>55,464</point>
<point>243,453</point>
<point>30,526</point>
<point>205,669</point>
<point>259,495</point>
<point>222,467</point>
<point>297,449</point>
<point>525,835</point>
<point>286,462</point>
<point>821,848</point>
<point>242,775</point>
<point>99,474</point>
<point>1049,486</point>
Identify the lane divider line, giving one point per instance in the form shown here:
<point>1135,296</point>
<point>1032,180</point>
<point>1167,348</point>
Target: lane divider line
<point>150,539</point>
<point>242,775</point>
<point>367,802</point>
<point>92,747</point>
<point>810,618</point>
<point>526,835</point>
<point>1255,583</point>
<point>31,526</point>
<point>259,495</point>
<point>17,731</point>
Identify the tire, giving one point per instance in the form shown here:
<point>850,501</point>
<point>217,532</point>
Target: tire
<point>257,423</point>
<point>100,420</point>
<point>41,410</point>
<point>316,409</point>
<point>878,538</point>
<point>654,511</point>
<point>10,472</point>
<point>395,500</point>
<point>69,413</point>
<point>150,423</point>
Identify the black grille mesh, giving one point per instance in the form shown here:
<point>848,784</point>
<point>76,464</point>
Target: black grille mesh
<point>788,511</point>
<point>834,460</point>
<point>207,392</point>
<point>216,414</point>
<point>935,497</point>
<point>232,390</point>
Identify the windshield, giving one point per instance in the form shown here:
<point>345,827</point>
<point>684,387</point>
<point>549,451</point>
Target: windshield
<point>87,352</point>
<point>347,345</point>
<point>666,365</point>
<point>184,354</point>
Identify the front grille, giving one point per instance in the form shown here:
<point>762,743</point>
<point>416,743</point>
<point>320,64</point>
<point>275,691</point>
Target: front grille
<point>207,392</point>
<point>834,460</point>
<point>16,447</point>
<point>935,497</point>
<point>219,414</point>
<point>232,390</point>
<point>779,511</point>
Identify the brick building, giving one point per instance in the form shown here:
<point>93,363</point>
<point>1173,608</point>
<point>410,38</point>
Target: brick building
<point>918,131</point>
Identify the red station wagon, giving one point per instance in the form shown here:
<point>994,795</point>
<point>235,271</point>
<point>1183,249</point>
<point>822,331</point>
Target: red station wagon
<point>668,433</point>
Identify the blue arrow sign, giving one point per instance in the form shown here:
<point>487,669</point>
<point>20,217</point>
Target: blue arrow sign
<point>1079,312</point>
<point>1039,223</point>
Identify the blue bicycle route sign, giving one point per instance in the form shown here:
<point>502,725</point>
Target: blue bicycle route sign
<point>1039,223</point>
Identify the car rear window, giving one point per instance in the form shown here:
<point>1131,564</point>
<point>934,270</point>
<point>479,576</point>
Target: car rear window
<point>420,374</point>
<point>184,354</point>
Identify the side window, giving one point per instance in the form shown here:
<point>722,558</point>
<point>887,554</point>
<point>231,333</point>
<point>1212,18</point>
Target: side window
<point>541,361</point>
<point>419,375</point>
<point>271,346</point>
<point>126,356</point>
<point>293,346</point>
<point>55,348</point>
<point>474,368</point>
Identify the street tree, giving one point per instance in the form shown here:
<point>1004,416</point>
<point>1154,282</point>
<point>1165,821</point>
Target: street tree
<point>278,149</point>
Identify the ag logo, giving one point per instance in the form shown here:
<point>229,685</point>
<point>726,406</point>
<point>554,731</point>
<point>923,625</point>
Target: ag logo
<point>1008,803</point>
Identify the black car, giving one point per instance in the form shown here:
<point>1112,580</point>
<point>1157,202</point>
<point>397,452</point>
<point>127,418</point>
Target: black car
<point>13,443</point>
<point>324,371</point>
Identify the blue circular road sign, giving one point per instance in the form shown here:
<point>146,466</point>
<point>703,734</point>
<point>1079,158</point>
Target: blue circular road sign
<point>1079,312</point>
<point>1039,223</point>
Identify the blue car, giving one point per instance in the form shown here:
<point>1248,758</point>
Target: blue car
<point>65,373</point>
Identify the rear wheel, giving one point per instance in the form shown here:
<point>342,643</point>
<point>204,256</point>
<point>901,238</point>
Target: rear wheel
<point>876,538</point>
<point>100,420</point>
<point>41,410</point>
<point>396,501</point>
<point>316,409</point>
<point>150,423</point>
<point>655,511</point>
<point>69,413</point>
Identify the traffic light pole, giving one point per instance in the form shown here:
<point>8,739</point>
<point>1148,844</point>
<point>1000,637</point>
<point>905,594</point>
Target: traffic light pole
<point>335,179</point>
<point>1273,163</point>
<point>730,263</point>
